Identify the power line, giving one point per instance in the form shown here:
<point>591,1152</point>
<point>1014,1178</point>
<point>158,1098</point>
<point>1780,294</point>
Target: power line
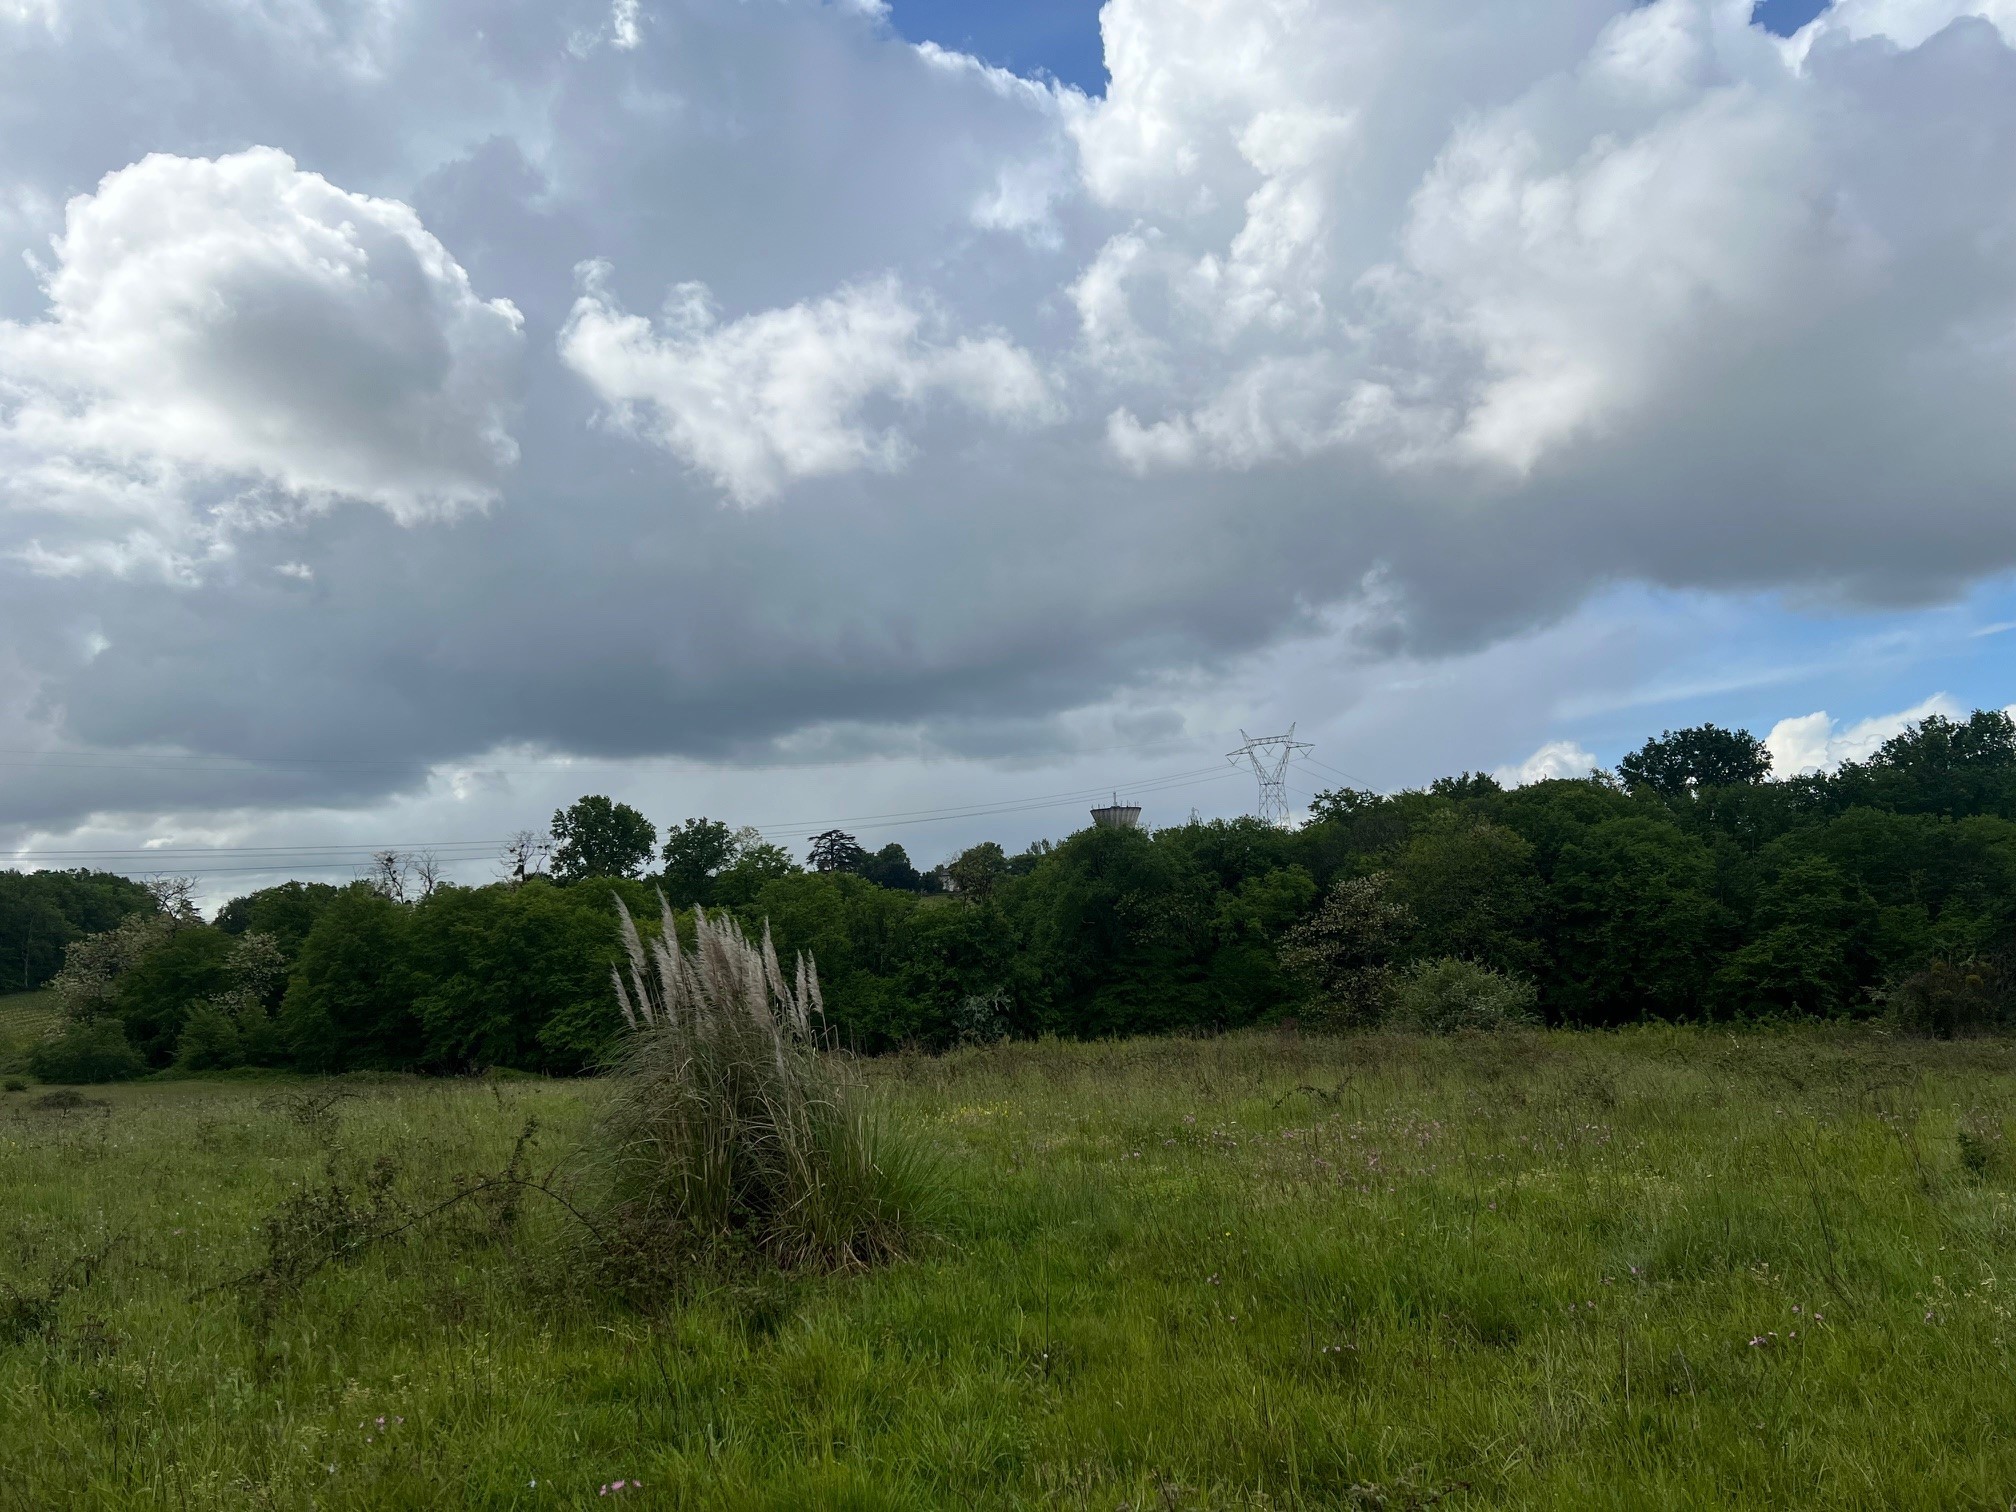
<point>349,854</point>
<point>959,811</point>
<point>1071,802</point>
<point>964,810</point>
<point>1333,771</point>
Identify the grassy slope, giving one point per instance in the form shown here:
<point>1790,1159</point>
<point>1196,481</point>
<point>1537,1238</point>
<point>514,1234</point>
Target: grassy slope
<point>1521,1273</point>
<point>25,1017</point>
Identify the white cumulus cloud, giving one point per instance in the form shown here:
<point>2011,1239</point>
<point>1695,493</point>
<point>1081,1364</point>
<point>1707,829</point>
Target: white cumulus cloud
<point>230,337</point>
<point>1493,247</point>
<point>784,393</point>
<point>1908,23</point>
<point>1555,759</point>
<point>1817,743</point>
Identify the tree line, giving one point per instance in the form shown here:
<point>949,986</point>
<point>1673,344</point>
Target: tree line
<point>42,912</point>
<point>1687,885</point>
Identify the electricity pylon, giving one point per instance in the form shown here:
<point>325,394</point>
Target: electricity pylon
<point>1269,756</point>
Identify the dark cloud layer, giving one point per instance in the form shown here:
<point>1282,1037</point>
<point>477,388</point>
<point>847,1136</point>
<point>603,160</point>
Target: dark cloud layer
<point>1424,322</point>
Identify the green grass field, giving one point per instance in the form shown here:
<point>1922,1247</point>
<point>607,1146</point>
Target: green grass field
<point>1654,1269</point>
<point>24,1018</point>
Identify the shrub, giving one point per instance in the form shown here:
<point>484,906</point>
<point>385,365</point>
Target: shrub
<point>1947,999</point>
<point>1344,953</point>
<point>1449,995</point>
<point>209,1040</point>
<point>730,1125</point>
<point>15,1084</point>
<point>94,1051</point>
<point>982,1017</point>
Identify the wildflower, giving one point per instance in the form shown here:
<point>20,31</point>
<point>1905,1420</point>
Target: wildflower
<point>1636,1272</point>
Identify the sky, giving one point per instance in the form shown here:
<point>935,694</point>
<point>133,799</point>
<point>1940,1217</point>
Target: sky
<point>929,417</point>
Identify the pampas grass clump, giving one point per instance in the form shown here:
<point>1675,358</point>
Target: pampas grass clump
<point>731,1125</point>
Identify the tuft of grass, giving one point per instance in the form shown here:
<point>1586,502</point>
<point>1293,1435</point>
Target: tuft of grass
<point>732,1127</point>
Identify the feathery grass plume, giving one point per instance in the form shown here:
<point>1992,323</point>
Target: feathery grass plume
<point>731,1123</point>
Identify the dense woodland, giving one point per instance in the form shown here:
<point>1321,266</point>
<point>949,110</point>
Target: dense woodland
<point>1688,885</point>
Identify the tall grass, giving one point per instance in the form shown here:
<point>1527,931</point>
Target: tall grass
<point>732,1124</point>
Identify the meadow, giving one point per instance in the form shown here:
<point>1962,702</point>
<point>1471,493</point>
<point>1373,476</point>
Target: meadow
<point>26,1017</point>
<point>1656,1267</point>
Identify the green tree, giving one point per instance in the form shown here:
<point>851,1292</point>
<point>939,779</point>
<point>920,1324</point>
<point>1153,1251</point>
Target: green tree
<point>857,933</point>
<point>1640,930</point>
<point>1232,851</point>
<point>1340,805</point>
<point>1552,815</point>
<point>890,867</point>
<point>696,852</point>
<point>1346,954</point>
<point>1245,967</point>
<point>1679,762</point>
<point>1117,924</point>
<point>598,837</point>
<point>513,976</point>
<point>1468,786</point>
<point>1941,766</point>
<point>286,912</point>
<point>349,1005</point>
<point>43,913</point>
<point>976,871</point>
<point>235,1026</point>
<point>757,863</point>
<point>836,851</point>
<point>1810,948</point>
<point>153,999</point>
<point>210,1040</point>
<point>1474,891</point>
<point>952,955</point>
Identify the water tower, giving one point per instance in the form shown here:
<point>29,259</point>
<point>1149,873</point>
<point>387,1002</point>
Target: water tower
<point>1118,815</point>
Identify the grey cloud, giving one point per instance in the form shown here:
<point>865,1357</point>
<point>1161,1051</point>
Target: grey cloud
<point>991,579</point>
